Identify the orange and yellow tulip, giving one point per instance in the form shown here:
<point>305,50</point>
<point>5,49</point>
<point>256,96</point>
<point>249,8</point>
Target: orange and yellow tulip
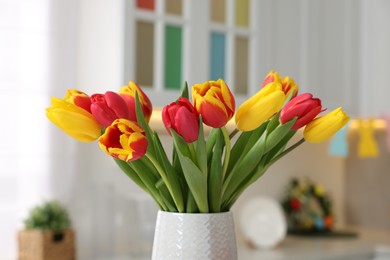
<point>214,102</point>
<point>128,95</point>
<point>78,98</point>
<point>288,85</point>
<point>124,140</point>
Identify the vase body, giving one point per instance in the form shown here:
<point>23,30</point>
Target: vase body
<point>194,236</point>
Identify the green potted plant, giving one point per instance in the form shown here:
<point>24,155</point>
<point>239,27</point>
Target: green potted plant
<point>47,234</point>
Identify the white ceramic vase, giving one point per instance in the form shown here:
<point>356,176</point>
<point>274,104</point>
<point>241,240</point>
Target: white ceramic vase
<point>187,236</point>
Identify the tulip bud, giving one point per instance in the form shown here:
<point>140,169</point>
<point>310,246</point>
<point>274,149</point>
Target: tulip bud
<point>289,87</point>
<point>183,118</point>
<point>325,126</point>
<point>124,140</point>
<point>128,95</point>
<point>260,107</point>
<point>214,102</point>
<point>108,107</point>
<point>271,77</point>
<point>78,98</point>
<point>304,107</point>
<point>73,120</point>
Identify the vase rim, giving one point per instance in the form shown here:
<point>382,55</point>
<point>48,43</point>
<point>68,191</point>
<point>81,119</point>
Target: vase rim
<point>194,214</point>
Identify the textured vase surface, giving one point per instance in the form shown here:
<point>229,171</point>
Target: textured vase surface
<point>187,236</point>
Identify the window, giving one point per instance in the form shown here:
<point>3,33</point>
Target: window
<point>158,46</point>
<point>232,31</point>
<point>172,41</point>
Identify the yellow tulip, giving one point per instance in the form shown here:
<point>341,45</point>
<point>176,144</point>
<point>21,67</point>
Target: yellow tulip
<point>73,120</point>
<point>322,128</point>
<point>260,107</point>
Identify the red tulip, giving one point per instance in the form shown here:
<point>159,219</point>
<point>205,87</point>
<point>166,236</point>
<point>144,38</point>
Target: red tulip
<point>214,101</point>
<point>124,140</point>
<point>108,107</point>
<point>128,95</point>
<point>304,107</point>
<point>182,117</point>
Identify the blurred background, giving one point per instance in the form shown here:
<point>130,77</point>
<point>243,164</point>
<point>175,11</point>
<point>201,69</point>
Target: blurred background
<point>337,50</point>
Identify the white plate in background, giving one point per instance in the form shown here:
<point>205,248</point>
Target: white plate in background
<point>263,222</point>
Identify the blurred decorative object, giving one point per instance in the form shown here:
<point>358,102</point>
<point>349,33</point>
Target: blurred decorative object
<point>206,173</point>
<point>47,235</point>
<point>339,143</point>
<point>263,222</point>
<point>308,207</point>
<point>386,118</point>
<point>367,143</point>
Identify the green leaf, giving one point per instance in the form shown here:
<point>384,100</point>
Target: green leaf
<point>243,168</point>
<point>168,174</point>
<point>184,92</point>
<point>254,175</point>
<point>131,174</point>
<point>212,138</point>
<point>276,135</point>
<point>200,146</point>
<point>166,196</point>
<point>148,178</point>
<point>243,144</point>
<point>215,176</point>
<point>142,122</point>
<point>279,147</point>
<point>191,204</point>
<point>196,179</point>
<point>274,122</point>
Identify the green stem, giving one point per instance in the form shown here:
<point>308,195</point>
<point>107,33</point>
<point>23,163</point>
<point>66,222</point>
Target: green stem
<point>232,134</point>
<point>156,164</point>
<point>193,153</point>
<point>292,147</point>
<point>227,151</point>
<point>162,174</point>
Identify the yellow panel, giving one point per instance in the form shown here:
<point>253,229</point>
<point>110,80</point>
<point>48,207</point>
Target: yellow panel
<point>241,66</point>
<point>242,13</point>
<point>144,54</point>
<point>174,7</point>
<point>218,11</point>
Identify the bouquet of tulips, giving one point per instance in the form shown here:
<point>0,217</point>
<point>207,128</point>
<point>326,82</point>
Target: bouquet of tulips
<point>205,173</point>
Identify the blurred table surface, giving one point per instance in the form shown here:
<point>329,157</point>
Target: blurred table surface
<point>369,244</point>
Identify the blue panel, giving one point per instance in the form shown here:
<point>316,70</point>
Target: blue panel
<point>217,54</point>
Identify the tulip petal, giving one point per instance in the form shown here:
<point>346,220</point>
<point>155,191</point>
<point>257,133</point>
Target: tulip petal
<point>214,102</point>
<point>124,140</point>
<point>187,125</point>
<point>73,120</point>
<point>262,106</point>
<point>324,127</point>
<point>213,115</point>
